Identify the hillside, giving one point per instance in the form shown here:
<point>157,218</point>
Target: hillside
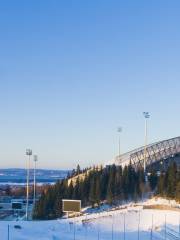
<point>130,220</point>
<point>112,184</point>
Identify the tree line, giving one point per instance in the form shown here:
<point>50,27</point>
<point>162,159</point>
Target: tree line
<point>112,184</point>
<point>169,183</point>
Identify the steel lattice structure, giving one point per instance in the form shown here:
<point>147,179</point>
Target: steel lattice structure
<point>155,152</point>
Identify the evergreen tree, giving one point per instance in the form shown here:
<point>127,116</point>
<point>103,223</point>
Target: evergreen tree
<point>125,182</point>
<point>171,180</point>
<point>104,179</point>
<point>118,184</point>
<point>109,193</point>
<point>92,193</point>
<point>70,190</point>
<point>85,190</point>
<point>177,193</point>
<point>111,184</point>
<point>76,192</point>
<point>97,195</point>
<point>153,179</point>
<point>78,170</point>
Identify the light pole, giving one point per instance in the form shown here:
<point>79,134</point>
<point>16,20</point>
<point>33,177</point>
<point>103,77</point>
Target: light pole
<point>119,142</point>
<point>28,153</point>
<point>146,115</point>
<point>35,160</point>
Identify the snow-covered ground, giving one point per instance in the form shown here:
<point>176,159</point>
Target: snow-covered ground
<point>130,223</point>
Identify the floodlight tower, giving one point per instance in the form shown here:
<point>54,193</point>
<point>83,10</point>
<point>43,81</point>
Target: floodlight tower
<point>146,116</point>
<point>28,153</point>
<point>35,160</point>
<point>119,142</point>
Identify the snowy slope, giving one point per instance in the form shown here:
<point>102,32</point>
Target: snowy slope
<point>105,225</point>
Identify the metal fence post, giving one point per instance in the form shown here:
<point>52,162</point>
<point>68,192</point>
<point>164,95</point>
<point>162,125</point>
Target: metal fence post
<point>124,227</point>
<point>138,224</point>
<point>8,231</point>
<point>98,227</point>
<point>86,228</point>
<point>165,228</point>
<point>74,229</point>
<point>152,228</point>
<point>112,226</point>
<point>179,226</point>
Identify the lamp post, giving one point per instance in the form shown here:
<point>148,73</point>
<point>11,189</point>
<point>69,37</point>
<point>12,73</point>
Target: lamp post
<point>119,142</point>
<point>146,116</point>
<point>35,160</point>
<point>28,153</point>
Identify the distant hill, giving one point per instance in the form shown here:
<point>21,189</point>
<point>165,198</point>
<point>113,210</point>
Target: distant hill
<point>13,176</point>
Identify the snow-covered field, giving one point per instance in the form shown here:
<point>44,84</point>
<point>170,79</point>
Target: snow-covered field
<point>130,223</point>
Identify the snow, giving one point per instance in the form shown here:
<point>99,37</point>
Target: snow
<point>106,224</point>
<point>162,201</point>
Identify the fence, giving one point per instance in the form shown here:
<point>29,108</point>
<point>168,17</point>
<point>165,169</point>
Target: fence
<point>127,225</point>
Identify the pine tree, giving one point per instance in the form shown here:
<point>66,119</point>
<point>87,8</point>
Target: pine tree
<point>153,180</point>
<point>109,194</point>
<point>92,193</point>
<point>118,184</point>
<point>171,180</point>
<point>111,184</point>
<point>76,192</point>
<point>78,170</point>
<point>125,183</point>
<point>131,180</point>
<point>177,193</point>
<point>85,190</point>
<point>104,178</point>
<point>97,195</point>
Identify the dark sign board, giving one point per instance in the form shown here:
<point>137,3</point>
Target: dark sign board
<point>71,205</point>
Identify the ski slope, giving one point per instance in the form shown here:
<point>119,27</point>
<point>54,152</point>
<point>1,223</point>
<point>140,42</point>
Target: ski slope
<point>129,223</point>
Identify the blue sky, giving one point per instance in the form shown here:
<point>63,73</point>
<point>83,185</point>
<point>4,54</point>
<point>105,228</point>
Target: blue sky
<point>71,72</point>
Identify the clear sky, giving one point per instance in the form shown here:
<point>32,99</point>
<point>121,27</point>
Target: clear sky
<point>71,72</point>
